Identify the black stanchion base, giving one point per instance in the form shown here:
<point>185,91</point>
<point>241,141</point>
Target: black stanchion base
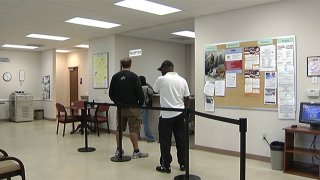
<point>187,177</point>
<point>118,159</point>
<point>88,149</point>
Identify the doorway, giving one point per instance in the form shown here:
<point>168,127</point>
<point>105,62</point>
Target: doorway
<point>73,72</point>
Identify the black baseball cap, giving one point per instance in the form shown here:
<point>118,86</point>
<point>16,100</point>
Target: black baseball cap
<point>165,63</point>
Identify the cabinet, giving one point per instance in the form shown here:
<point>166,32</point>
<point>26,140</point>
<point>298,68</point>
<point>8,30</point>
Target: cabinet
<point>295,167</point>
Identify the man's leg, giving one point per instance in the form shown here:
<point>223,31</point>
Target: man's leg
<point>165,136</point>
<point>134,140</point>
<point>134,120</point>
<point>180,137</point>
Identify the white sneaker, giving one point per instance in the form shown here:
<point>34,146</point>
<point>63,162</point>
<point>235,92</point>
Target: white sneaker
<point>139,155</point>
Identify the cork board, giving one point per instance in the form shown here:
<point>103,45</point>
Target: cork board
<point>236,96</point>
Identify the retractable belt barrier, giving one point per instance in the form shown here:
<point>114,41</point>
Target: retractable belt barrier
<point>241,122</point>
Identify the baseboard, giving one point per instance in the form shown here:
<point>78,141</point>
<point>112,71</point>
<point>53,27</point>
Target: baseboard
<point>50,119</point>
<point>232,153</point>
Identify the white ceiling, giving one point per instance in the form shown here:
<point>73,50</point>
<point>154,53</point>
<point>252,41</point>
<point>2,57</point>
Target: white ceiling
<point>19,18</point>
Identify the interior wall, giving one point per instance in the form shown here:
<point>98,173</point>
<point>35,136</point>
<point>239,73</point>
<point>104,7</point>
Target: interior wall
<point>79,59</point>
<point>62,74</point>
<point>254,23</point>
<point>19,60</point>
<point>101,45</point>
<point>48,67</point>
<point>153,54</point>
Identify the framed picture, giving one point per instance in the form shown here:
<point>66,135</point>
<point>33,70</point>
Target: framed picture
<point>46,87</point>
<point>21,75</point>
<point>100,71</point>
<point>313,66</point>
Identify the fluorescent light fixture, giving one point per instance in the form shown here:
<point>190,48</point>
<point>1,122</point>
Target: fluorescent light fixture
<point>82,46</point>
<point>62,51</point>
<point>189,34</point>
<point>50,37</point>
<point>19,46</point>
<point>147,6</point>
<point>92,22</point>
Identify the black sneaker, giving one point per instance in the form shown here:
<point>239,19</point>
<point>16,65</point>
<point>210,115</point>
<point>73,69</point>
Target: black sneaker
<point>163,169</point>
<point>182,168</point>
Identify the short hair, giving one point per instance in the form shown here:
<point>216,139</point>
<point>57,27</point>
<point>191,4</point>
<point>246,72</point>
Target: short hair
<point>143,80</point>
<point>126,62</point>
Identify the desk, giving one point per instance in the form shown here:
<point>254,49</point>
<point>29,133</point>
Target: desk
<point>294,167</point>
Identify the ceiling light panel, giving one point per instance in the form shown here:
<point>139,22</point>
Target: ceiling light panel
<point>82,46</point>
<point>50,37</point>
<point>62,51</point>
<point>147,6</point>
<point>92,22</point>
<point>19,46</point>
<point>189,34</point>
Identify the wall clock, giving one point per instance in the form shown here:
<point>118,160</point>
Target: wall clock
<point>7,76</point>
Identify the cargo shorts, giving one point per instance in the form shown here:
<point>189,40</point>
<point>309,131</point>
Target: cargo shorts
<point>130,116</point>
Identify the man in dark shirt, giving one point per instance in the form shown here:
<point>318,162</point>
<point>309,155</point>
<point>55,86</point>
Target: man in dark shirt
<point>125,88</point>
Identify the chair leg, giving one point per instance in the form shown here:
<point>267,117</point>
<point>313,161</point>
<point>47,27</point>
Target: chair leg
<point>57,127</point>
<point>64,128</point>
<point>108,127</point>
<point>98,129</point>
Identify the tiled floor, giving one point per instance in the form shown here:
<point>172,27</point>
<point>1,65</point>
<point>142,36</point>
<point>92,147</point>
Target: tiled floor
<point>48,156</point>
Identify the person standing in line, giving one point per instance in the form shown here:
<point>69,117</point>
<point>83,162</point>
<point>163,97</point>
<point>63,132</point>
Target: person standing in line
<point>148,92</point>
<point>174,93</point>
<point>125,88</point>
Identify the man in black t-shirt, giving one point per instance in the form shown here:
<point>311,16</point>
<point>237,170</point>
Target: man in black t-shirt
<point>125,88</point>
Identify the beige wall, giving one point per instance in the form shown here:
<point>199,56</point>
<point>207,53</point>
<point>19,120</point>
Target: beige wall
<point>48,67</point>
<point>30,62</point>
<point>62,75</point>
<point>273,20</point>
<point>153,53</point>
<point>64,61</point>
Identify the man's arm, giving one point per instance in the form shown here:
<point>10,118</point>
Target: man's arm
<point>111,91</point>
<point>186,101</point>
<point>140,94</point>
<point>156,86</point>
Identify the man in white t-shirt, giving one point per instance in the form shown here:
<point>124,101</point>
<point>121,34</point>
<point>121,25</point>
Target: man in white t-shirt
<point>174,93</point>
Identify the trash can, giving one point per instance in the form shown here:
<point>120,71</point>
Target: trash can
<point>276,148</point>
<point>38,114</point>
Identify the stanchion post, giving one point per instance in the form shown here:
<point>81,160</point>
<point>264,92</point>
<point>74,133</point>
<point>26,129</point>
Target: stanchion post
<point>243,131</point>
<point>120,158</point>
<point>187,176</point>
<point>186,117</point>
<point>84,125</point>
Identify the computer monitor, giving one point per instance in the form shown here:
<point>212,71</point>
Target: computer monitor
<point>310,114</point>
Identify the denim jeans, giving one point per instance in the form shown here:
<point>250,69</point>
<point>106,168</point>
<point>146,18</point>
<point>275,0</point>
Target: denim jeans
<point>145,122</point>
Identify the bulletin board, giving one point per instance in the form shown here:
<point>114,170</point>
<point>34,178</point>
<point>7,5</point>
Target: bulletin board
<point>236,97</point>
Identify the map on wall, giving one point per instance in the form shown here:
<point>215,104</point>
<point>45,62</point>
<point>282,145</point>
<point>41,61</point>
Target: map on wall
<point>100,71</point>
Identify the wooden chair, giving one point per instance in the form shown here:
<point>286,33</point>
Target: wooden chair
<point>62,117</point>
<point>78,104</point>
<point>100,116</point>
<point>10,166</point>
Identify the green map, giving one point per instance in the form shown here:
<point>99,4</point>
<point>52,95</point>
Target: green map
<point>100,70</point>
